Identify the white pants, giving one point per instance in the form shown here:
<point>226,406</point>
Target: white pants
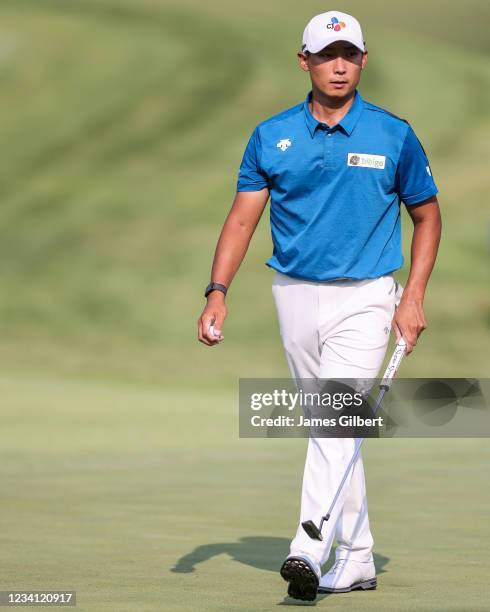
<point>337,329</point>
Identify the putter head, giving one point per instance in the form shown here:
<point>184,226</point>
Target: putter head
<point>312,530</point>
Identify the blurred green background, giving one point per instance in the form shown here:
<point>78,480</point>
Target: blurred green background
<point>123,127</point>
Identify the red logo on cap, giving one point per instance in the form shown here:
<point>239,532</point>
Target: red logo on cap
<point>335,24</point>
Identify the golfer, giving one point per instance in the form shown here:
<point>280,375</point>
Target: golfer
<point>336,168</point>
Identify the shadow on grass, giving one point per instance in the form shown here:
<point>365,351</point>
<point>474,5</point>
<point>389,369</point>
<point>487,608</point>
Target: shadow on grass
<point>261,552</point>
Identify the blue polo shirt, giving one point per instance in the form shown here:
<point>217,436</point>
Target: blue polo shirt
<point>336,191</point>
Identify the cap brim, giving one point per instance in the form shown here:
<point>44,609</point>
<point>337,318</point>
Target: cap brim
<point>328,42</point>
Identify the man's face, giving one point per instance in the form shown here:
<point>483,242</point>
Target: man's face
<point>336,69</point>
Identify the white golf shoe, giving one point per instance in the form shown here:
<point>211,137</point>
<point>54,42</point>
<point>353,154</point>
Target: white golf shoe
<point>302,573</point>
<point>347,575</point>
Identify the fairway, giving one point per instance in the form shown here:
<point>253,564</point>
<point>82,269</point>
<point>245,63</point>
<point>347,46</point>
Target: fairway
<point>121,168</point>
<point>141,498</point>
<point>122,473</point>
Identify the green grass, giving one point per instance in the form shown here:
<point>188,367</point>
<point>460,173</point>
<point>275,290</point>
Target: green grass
<point>144,499</point>
<point>123,127</point>
<point>126,126</point>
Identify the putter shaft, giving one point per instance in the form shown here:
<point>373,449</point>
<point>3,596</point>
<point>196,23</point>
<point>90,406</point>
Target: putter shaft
<point>309,526</point>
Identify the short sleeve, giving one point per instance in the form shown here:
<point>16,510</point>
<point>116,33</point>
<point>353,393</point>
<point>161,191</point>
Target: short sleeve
<point>414,182</point>
<point>250,176</point>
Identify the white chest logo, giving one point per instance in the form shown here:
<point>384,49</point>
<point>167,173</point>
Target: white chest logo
<point>364,160</point>
<point>283,144</point>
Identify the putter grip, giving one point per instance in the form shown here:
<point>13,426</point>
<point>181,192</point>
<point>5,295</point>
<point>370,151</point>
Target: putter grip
<point>395,361</point>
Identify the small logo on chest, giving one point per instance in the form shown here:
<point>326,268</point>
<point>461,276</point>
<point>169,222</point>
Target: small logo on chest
<point>284,144</point>
<point>364,160</point>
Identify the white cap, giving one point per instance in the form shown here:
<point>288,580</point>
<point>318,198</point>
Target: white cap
<point>329,27</point>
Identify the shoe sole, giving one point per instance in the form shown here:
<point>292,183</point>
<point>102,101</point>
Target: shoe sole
<point>365,585</point>
<point>303,582</point>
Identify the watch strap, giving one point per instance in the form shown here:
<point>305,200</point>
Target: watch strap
<point>215,287</point>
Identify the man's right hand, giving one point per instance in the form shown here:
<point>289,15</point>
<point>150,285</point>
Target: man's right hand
<point>233,242</point>
<point>214,314</point>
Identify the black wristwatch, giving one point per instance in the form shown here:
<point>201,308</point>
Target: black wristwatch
<point>215,287</point>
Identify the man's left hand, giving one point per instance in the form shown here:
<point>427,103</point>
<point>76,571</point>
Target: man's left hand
<point>409,321</point>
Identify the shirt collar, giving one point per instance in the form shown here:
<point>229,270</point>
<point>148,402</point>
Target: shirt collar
<point>347,123</point>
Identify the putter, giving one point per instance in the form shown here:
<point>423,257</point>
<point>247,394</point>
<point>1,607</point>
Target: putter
<point>311,529</point>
